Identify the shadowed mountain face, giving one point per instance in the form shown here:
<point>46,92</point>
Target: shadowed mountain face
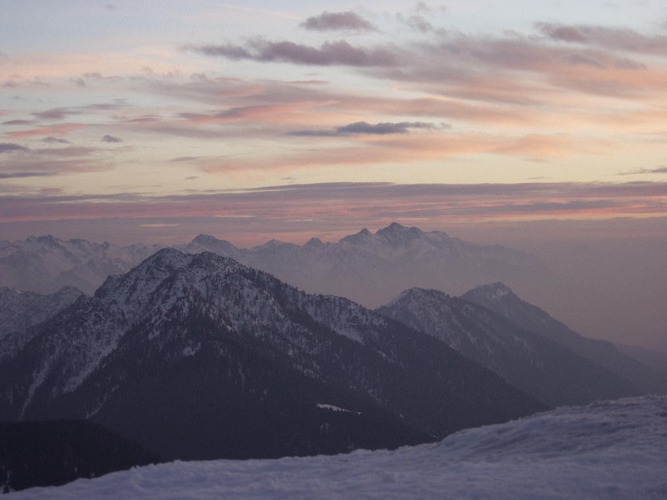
<point>501,299</point>
<point>198,356</point>
<point>23,310</point>
<point>539,367</point>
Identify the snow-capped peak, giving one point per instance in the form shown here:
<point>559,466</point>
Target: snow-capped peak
<point>396,231</point>
<point>362,236</point>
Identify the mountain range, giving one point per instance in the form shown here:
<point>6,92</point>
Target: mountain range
<point>197,356</point>
<point>372,268</point>
<point>369,268</point>
<point>198,353</point>
<point>44,264</point>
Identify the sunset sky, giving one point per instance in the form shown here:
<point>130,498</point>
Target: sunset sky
<point>509,121</point>
<point>257,119</point>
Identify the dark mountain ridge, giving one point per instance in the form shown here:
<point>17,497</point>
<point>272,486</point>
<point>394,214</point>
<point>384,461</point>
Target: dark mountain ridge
<point>540,367</point>
<point>501,299</point>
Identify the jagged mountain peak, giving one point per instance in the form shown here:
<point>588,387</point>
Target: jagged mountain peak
<point>155,268</point>
<point>206,242</point>
<point>313,243</point>
<point>274,244</point>
<point>164,263</point>
<point>46,238</point>
<point>362,236</point>
<point>396,234</point>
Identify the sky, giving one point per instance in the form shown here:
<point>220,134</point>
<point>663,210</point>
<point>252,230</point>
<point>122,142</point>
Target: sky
<point>541,125</point>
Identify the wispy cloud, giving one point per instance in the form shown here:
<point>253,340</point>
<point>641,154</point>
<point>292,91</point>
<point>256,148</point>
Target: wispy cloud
<point>332,21</point>
<point>658,170</point>
<point>111,139</point>
<point>625,40</point>
<point>363,128</point>
<point>55,140</point>
<point>47,131</point>
<point>338,53</point>
<point>8,147</point>
<point>22,162</point>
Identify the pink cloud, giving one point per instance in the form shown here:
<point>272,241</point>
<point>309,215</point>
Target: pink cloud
<point>51,130</point>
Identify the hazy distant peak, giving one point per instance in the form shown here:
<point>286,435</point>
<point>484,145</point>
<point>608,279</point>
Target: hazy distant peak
<point>361,236</point>
<point>395,227</point>
<point>313,243</point>
<point>206,242</point>
<point>44,240</point>
<point>274,244</point>
<point>395,234</point>
<point>204,239</point>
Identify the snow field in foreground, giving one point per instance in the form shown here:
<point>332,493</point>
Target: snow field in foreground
<point>607,450</point>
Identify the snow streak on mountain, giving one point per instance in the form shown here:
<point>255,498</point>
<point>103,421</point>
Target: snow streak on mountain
<point>606,451</point>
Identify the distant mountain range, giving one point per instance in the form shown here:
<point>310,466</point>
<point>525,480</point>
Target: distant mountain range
<point>368,268</point>
<point>373,268</point>
<point>198,356</point>
<point>45,264</point>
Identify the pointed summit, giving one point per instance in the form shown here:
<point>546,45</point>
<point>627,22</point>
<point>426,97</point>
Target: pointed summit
<point>205,239</point>
<point>396,234</point>
<point>313,243</point>
<point>208,243</point>
<point>360,237</point>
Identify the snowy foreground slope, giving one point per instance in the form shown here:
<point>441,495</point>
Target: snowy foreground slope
<point>607,450</point>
